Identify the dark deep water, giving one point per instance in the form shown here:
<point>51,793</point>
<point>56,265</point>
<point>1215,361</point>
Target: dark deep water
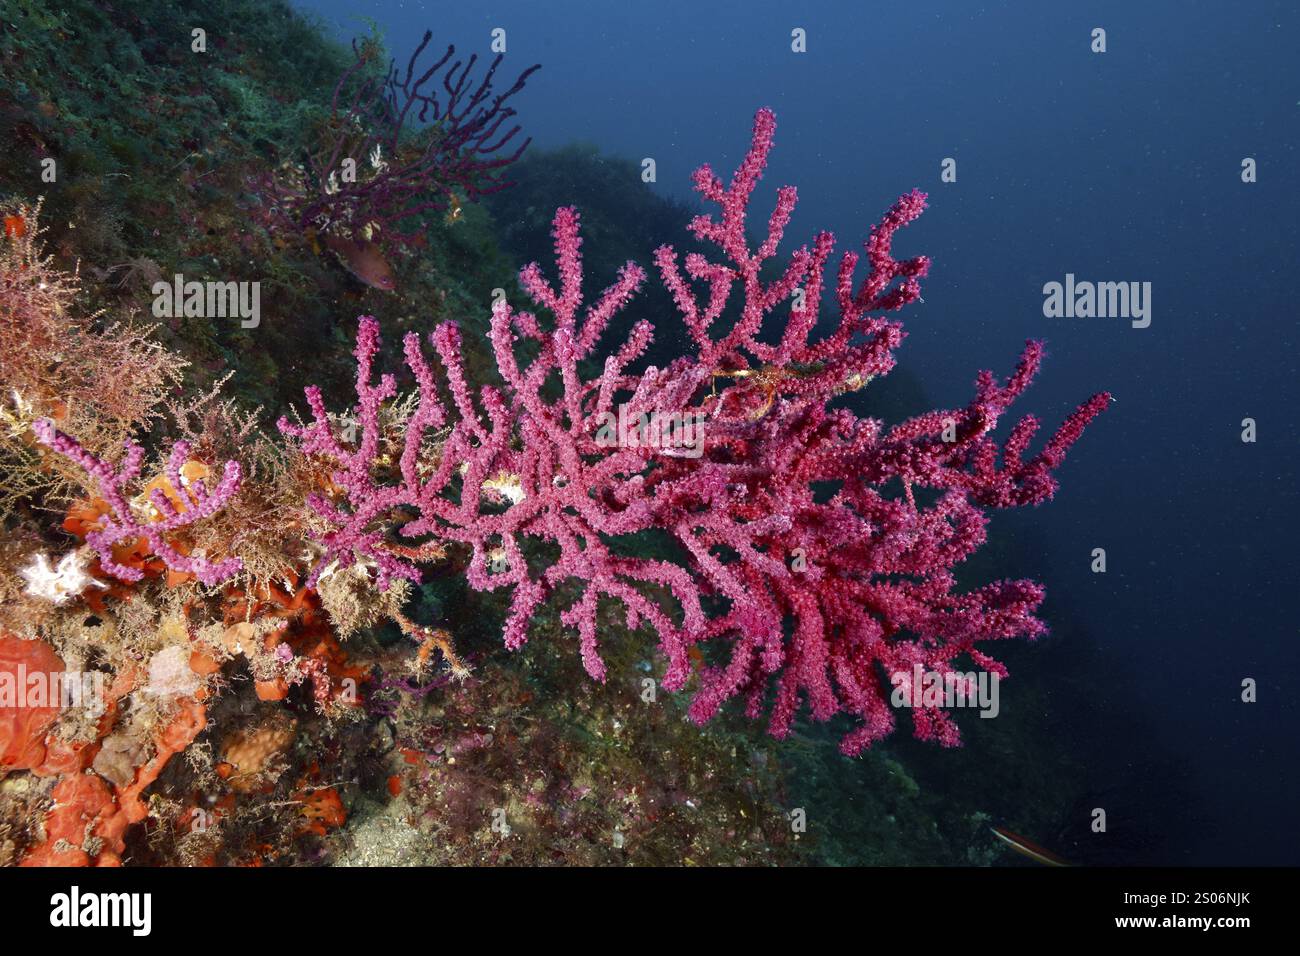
<point>1122,166</point>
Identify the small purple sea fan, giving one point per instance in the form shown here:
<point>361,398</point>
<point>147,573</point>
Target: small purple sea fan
<point>400,144</point>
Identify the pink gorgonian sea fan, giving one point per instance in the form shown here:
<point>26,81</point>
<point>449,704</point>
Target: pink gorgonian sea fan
<point>818,546</point>
<point>155,519</point>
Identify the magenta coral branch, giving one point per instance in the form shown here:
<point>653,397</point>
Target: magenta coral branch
<point>830,579</point>
<point>197,503</point>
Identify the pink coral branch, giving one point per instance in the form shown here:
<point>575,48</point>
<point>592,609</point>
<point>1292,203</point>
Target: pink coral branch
<point>831,580</point>
<point>198,504</point>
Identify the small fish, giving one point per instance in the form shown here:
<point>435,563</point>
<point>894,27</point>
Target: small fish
<point>453,210</point>
<point>363,260</point>
<point>15,227</point>
<point>1026,848</point>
